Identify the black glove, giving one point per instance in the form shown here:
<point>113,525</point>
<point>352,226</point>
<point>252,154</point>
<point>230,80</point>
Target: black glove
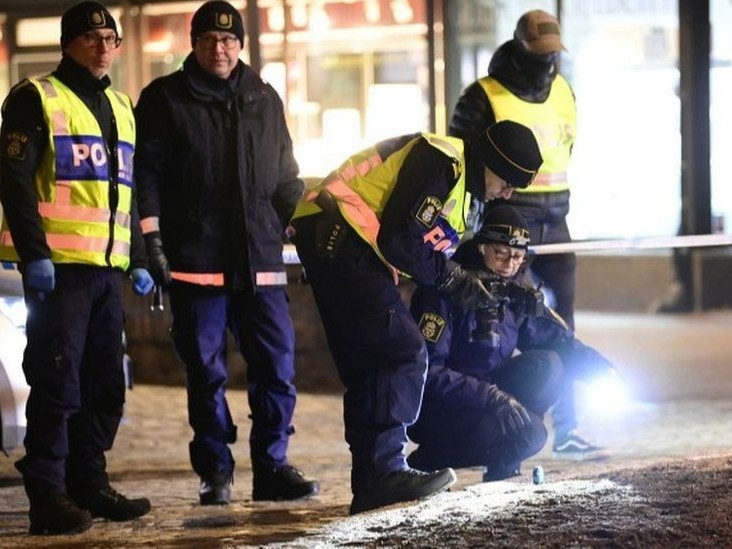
<point>511,415</point>
<point>466,288</point>
<point>159,266</point>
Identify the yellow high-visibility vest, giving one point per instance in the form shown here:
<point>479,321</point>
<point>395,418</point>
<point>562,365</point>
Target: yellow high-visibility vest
<point>362,185</point>
<point>73,180</point>
<point>554,123</point>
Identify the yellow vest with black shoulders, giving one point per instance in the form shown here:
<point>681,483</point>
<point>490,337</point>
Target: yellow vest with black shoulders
<point>72,181</point>
<point>362,185</point>
<point>554,123</point>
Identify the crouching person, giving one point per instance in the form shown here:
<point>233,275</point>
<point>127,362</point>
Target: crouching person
<point>482,405</point>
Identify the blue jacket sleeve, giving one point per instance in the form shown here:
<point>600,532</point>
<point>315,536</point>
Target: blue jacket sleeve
<point>549,332</point>
<point>426,174</point>
<point>444,385</point>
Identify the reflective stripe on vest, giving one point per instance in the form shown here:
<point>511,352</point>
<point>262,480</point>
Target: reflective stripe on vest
<point>72,181</point>
<point>264,278</point>
<point>202,279</point>
<point>362,185</point>
<point>554,123</point>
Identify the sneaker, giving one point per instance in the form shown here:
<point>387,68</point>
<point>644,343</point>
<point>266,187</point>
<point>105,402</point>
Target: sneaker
<point>108,503</point>
<point>400,486</point>
<point>500,472</point>
<point>282,483</point>
<point>576,448</point>
<point>57,514</point>
<point>216,490</point>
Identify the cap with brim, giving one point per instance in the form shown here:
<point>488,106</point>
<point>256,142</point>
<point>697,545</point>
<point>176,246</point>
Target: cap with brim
<point>539,32</point>
<point>504,225</point>
<point>510,151</point>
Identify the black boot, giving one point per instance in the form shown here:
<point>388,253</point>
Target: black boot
<point>401,486</point>
<point>216,489</point>
<point>57,514</point>
<point>106,502</point>
<point>282,483</point>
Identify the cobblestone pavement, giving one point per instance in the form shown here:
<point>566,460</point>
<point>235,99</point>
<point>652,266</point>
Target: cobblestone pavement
<point>680,368</point>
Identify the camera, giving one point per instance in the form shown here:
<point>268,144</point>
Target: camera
<point>491,311</point>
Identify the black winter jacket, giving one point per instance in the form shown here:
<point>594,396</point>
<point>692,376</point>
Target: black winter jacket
<point>214,162</point>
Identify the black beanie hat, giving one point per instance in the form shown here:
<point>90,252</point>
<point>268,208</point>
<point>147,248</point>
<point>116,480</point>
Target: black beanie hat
<point>84,17</point>
<point>509,150</point>
<point>504,225</point>
<point>217,15</point>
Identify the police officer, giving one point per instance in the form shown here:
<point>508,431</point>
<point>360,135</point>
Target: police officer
<point>482,405</point>
<point>523,84</point>
<point>218,185</point>
<point>67,189</point>
<point>396,208</point>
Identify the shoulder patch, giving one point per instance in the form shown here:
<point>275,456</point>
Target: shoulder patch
<point>429,210</point>
<point>14,145</point>
<point>431,325</point>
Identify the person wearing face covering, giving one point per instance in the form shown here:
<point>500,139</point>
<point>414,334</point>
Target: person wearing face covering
<point>523,84</point>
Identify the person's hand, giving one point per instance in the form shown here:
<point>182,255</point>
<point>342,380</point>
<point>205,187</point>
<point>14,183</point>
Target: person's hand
<point>159,266</point>
<point>511,415</point>
<point>40,275</point>
<point>466,288</point>
<point>142,282</point>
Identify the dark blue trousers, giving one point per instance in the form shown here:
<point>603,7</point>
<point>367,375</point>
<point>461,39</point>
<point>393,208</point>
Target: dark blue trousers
<point>377,347</point>
<point>463,435</point>
<point>73,364</point>
<point>262,328</point>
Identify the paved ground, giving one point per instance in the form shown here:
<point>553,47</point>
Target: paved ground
<point>679,368</point>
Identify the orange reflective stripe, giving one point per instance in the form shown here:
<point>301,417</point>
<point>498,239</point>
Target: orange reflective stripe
<point>357,212</point>
<point>68,212</point>
<point>86,243</point>
<point>60,124</point>
<point>63,192</point>
<point>150,225</point>
<point>202,279</point>
<point>6,239</point>
<point>549,179</point>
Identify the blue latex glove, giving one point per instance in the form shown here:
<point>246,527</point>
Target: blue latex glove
<point>40,275</point>
<point>142,282</point>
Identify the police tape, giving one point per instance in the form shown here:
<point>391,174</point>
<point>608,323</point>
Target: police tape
<point>290,257</point>
<point>637,243</point>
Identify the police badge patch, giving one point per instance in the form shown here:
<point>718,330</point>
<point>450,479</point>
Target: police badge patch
<point>14,145</point>
<point>431,325</point>
<point>428,211</point>
<point>224,20</point>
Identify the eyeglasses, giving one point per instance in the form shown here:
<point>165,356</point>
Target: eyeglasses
<point>210,42</point>
<point>504,255</point>
<point>112,41</point>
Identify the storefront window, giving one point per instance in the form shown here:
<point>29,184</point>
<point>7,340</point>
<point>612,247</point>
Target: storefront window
<point>622,62</point>
<point>350,73</point>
